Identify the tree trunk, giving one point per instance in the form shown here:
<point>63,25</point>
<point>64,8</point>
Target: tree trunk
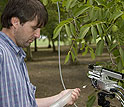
<point>29,54</point>
<point>54,48</point>
<point>49,45</point>
<point>35,45</point>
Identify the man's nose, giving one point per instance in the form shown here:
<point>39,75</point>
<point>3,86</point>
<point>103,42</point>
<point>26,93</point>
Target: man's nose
<point>37,33</point>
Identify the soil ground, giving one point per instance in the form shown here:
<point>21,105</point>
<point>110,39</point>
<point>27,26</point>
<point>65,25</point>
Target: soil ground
<point>44,74</point>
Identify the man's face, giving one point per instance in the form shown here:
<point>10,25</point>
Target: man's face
<point>26,33</point>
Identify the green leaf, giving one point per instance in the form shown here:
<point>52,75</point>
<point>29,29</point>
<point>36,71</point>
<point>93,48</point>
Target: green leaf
<point>122,71</point>
<point>108,41</point>
<point>64,3</point>
<point>86,51</point>
<point>94,33</point>
<point>65,22</point>
<point>116,14</point>
<point>59,27</point>
<point>106,14</point>
<point>100,2</point>
<point>83,45</point>
<point>99,29</point>
<point>99,47</point>
<point>45,2</point>
<point>91,101</point>
<point>100,14</point>
<point>73,56</point>
<point>91,2</point>
<point>92,14</point>
<point>113,46</point>
<point>68,30</point>
<point>114,28</point>
<point>73,3</point>
<point>73,31</point>
<point>119,64</point>
<point>97,14</point>
<point>120,83</point>
<point>57,31</point>
<point>68,3</point>
<point>75,50</point>
<point>122,55</point>
<point>92,54</point>
<point>83,32</point>
<point>80,10</point>
<point>67,57</point>
<point>116,53</point>
<point>104,27</point>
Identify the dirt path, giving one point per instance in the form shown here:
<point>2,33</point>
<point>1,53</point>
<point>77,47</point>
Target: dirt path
<point>44,73</point>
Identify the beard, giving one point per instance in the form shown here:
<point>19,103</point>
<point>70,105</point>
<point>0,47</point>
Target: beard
<point>21,41</point>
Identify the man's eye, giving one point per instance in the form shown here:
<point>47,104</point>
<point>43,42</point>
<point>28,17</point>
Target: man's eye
<point>34,28</point>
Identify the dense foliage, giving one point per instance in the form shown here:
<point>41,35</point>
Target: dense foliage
<point>99,22</point>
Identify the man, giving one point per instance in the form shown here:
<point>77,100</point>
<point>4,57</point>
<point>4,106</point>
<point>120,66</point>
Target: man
<point>21,22</point>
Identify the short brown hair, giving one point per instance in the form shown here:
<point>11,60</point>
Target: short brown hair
<point>25,10</point>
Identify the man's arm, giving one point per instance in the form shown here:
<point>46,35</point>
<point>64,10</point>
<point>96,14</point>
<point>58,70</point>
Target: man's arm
<point>46,102</point>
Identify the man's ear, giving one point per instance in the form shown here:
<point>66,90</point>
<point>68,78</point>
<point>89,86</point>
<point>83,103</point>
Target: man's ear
<point>15,22</point>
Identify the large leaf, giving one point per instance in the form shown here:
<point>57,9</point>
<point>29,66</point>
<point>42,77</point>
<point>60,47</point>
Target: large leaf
<point>116,14</point>
<point>65,22</point>
<point>100,14</point>
<point>68,30</point>
<point>99,29</point>
<point>106,14</point>
<point>80,10</point>
<point>100,47</point>
<point>59,27</point>
<point>94,33</point>
<point>73,31</point>
<point>57,31</point>
<point>73,3</point>
<point>120,65</point>
<point>75,50</point>
<point>67,58</point>
<point>83,32</point>
<point>113,46</point>
<point>92,13</point>
<point>73,56</point>
<point>68,3</point>
<point>122,55</point>
<point>91,101</point>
